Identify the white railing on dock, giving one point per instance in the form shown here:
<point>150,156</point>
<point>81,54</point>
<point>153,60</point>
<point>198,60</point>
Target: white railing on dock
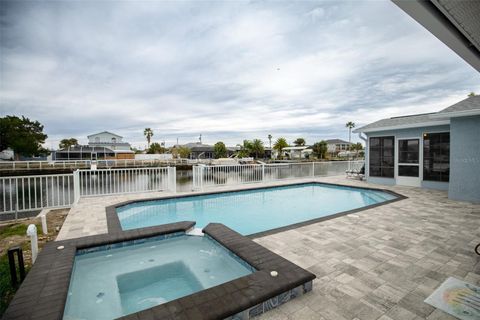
<point>101,164</point>
<point>208,176</point>
<point>28,193</point>
<point>31,193</point>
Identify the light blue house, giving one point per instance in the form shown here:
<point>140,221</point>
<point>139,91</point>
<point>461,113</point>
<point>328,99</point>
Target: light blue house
<point>438,150</point>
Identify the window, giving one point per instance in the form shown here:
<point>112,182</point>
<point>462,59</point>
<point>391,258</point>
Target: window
<point>114,140</point>
<point>408,151</point>
<point>381,157</point>
<point>436,156</point>
<point>97,139</point>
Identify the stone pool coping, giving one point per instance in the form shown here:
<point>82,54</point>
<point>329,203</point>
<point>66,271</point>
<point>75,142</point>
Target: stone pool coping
<point>43,293</point>
<point>114,225</point>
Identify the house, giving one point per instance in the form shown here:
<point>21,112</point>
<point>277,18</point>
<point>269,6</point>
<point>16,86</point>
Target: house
<point>299,152</point>
<point>81,152</point>
<point>200,150</point>
<point>439,150</point>
<point>112,141</point>
<point>334,146</point>
<point>102,145</point>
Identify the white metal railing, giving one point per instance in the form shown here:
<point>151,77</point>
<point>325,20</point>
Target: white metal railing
<point>208,176</point>
<point>120,181</point>
<point>27,193</point>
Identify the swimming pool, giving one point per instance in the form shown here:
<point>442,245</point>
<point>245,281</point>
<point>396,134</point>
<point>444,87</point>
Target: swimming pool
<point>110,282</point>
<point>253,211</point>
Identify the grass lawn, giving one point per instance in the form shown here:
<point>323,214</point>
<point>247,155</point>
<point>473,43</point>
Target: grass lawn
<point>14,234</point>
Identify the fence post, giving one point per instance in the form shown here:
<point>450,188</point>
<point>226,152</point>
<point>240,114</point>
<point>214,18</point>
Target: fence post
<point>76,186</point>
<point>313,169</point>
<point>172,179</point>
<point>202,171</point>
<point>263,172</point>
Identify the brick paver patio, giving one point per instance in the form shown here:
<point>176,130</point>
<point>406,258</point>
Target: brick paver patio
<point>376,264</point>
<point>383,262</point>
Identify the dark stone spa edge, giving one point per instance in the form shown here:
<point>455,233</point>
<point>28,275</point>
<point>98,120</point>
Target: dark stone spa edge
<point>43,293</point>
<point>241,298</point>
<point>114,225</point>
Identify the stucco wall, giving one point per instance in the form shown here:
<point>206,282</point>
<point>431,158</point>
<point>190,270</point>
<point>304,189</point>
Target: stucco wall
<point>402,134</point>
<point>465,159</point>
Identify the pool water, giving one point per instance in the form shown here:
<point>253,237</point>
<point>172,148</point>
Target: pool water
<point>252,211</point>
<point>115,282</point>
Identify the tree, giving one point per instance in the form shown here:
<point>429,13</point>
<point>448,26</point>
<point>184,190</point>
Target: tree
<point>356,147</point>
<point>220,150</point>
<point>270,140</point>
<point>156,148</point>
<point>299,142</point>
<point>280,144</point>
<point>320,149</point>
<point>472,94</point>
<point>23,136</point>
<point>184,152</point>
<point>257,148</point>
<point>148,133</point>
<point>245,149</point>
<point>67,143</point>
<point>350,125</point>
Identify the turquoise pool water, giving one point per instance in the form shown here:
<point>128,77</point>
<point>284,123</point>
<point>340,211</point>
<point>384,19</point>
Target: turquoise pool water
<point>115,282</point>
<point>252,211</point>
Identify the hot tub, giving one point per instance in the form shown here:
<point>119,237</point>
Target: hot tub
<point>111,281</point>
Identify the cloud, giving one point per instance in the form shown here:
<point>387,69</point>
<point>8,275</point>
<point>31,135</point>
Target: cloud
<point>228,70</point>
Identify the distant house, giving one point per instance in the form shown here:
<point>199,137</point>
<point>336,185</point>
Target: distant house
<point>199,150</point>
<point>103,145</point>
<point>113,142</point>
<point>439,150</point>
<point>7,154</point>
<point>334,146</point>
<point>81,152</point>
<point>300,152</point>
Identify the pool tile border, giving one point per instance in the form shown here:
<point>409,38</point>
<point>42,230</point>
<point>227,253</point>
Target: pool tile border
<point>43,293</point>
<point>114,225</point>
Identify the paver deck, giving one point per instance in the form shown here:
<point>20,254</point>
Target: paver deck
<point>380,263</point>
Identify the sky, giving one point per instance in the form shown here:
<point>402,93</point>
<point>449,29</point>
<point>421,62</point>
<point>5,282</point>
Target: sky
<point>227,70</point>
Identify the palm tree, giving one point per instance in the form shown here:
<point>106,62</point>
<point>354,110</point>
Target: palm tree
<point>299,142</point>
<point>270,140</point>
<point>350,125</point>
<point>148,133</point>
<point>257,147</point>
<point>280,144</point>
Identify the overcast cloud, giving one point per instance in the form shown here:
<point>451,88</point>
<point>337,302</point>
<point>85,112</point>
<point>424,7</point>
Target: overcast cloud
<point>229,70</point>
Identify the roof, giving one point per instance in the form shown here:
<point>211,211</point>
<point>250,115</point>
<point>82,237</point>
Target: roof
<point>410,121</point>
<point>113,134</point>
<point>86,149</point>
<point>296,148</point>
<point>336,141</point>
<point>197,146</point>
<point>466,107</point>
<point>453,22</point>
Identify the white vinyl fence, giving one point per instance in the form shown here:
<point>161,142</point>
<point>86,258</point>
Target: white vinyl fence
<point>29,193</point>
<point>208,176</point>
